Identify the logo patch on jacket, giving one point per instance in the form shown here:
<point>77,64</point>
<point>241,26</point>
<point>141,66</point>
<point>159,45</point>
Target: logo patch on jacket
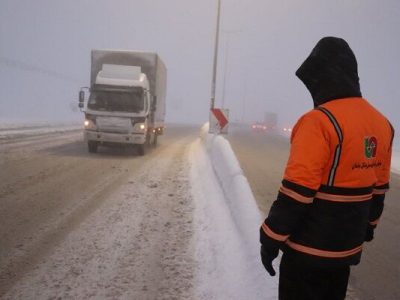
<point>370,146</point>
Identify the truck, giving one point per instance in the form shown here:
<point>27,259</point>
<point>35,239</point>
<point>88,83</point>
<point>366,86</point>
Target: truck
<point>126,101</point>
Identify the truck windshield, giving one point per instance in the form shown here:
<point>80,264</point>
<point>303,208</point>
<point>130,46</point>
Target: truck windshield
<point>116,100</point>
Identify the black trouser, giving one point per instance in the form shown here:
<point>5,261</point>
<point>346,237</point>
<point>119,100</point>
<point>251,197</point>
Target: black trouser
<point>300,282</point>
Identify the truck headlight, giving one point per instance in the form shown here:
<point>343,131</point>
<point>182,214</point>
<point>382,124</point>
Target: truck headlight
<point>89,124</point>
<point>140,127</point>
<point>90,121</point>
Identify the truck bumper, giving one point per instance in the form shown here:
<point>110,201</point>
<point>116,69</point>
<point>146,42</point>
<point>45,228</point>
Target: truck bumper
<point>117,138</point>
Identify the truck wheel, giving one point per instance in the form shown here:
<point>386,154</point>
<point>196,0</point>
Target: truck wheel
<point>141,149</point>
<point>92,147</point>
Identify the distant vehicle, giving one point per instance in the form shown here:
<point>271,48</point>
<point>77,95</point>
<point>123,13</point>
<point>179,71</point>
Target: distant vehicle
<point>259,127</point>
<point>271,120</point>
<point>127,99</point>
<point>287,129</point>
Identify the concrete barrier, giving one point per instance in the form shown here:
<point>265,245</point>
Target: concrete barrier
<point>240,200</point>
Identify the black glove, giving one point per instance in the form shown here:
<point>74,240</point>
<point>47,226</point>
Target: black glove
<point>268,254</point>
<point>369,235</point>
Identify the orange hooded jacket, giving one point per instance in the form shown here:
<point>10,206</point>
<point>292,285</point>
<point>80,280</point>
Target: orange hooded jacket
<point>339,166</point>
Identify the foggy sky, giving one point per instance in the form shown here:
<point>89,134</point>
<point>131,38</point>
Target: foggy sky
<point>45,52</point>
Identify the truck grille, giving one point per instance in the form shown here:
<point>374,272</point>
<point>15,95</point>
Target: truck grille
<point>114,124</point>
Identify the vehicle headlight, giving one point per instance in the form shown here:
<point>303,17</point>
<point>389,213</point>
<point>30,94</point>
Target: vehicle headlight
<point>140,127</point>
<point>89,124</point>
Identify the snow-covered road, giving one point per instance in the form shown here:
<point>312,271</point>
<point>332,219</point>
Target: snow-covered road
<point>118,226</point>
<point>111,226</point>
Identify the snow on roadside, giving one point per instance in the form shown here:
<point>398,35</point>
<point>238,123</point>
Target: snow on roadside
<point>12,130</point>
<point>226,237</point>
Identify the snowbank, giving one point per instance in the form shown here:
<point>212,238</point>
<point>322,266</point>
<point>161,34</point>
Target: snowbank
<point>234,184</point>
<point>228,223</point>
<point>15,129</point>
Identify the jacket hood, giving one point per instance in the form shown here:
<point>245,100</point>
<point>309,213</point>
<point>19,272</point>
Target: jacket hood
<point>330,71</point>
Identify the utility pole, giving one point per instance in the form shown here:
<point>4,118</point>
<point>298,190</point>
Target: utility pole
<point>214,78</point>
<point>244,97</point>
<point>225,69</point>
<point>219,118</point>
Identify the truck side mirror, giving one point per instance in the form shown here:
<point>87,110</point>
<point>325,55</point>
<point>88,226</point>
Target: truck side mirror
<point>80,105</point>
<point>81,98</point>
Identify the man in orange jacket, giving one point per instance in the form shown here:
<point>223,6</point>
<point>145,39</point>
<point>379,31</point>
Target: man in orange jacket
<point>334,186</point>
